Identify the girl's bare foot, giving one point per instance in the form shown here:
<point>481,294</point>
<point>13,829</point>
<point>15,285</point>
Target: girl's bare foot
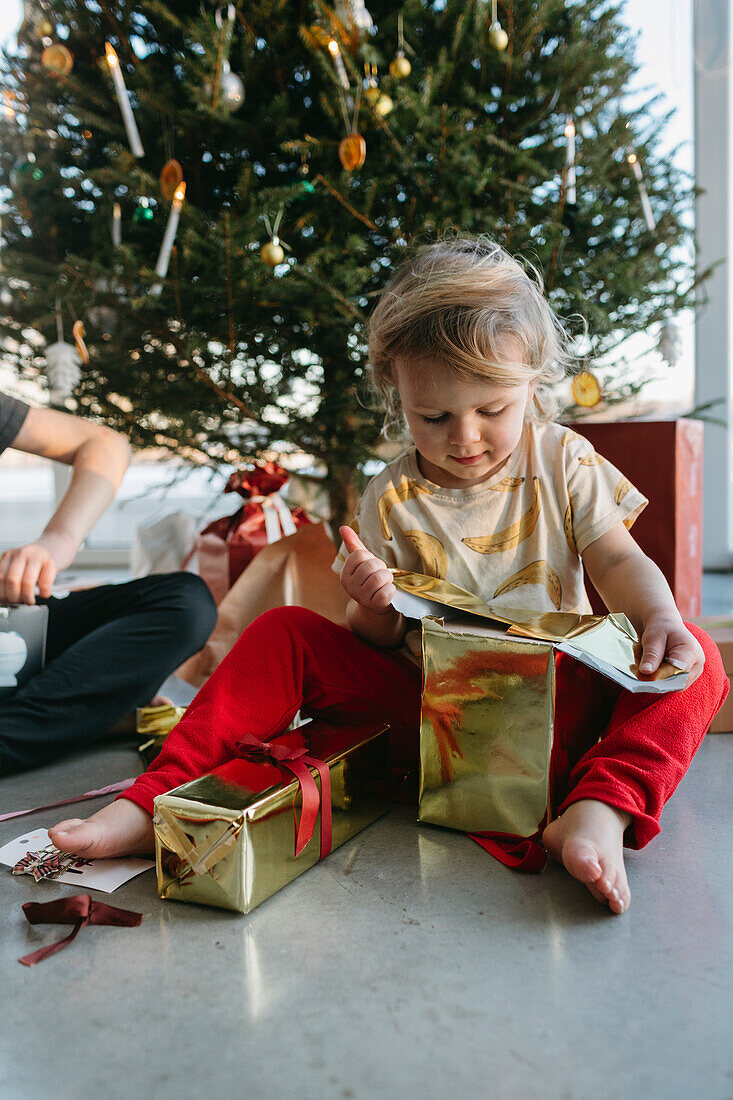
<point>120,829</point>
<point>588,840</point>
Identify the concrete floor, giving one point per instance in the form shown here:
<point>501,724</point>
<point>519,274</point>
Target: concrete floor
<point>409,964</point>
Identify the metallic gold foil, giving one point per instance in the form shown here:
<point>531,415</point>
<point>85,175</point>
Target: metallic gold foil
<point>486,731</point>
<point>221,844</point>
<point>154,724</point>
<point>610,638</point>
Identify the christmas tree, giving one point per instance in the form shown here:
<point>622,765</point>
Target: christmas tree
<point>317,145</point>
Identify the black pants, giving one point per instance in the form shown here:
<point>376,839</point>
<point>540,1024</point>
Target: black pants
<point>109,650</point>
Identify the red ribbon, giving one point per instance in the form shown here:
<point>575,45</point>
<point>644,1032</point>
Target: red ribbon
<point>297,761</point>
<point>77,910</point>
<point>519,853</point>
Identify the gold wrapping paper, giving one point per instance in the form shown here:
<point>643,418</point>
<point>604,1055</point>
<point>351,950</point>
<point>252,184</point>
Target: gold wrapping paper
<point>486,731</point>
<point>227,844</point>
<point>488,706</point>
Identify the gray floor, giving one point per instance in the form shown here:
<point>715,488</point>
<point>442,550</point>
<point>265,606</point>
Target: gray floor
<point>408,964</point>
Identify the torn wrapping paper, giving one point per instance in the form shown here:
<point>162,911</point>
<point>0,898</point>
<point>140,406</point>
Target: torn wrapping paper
<point>234,837</point>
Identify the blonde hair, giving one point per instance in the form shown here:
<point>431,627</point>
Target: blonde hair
<point>466,304</point>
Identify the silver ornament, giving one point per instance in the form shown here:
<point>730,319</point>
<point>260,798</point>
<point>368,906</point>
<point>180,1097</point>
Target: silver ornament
<point>354,11</point>
<point>63,369</point>
<point>669,344</point>
<point>231,89</point>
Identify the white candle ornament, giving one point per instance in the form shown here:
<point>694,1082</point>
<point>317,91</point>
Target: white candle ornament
<point>166,247</point>
<point>116,225</point>
<point>646,206</point>
<point>133,136</point>
<point>570,196</point>
<point>333,49</point>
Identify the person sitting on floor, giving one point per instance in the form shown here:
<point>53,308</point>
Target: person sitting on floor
<point>109,648</point>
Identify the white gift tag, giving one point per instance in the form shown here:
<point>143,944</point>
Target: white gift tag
<point>96,874</point>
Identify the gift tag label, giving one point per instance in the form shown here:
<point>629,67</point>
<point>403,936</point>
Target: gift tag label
<point>96,874</point>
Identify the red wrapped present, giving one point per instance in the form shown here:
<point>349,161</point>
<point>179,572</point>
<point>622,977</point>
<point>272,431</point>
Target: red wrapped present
<point>227,545</point>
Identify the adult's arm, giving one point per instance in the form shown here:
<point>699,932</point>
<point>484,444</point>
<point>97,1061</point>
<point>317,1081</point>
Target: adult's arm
<point>98,457</point>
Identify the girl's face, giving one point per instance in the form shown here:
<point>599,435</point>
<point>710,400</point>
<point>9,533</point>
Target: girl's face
<point>464,431</point>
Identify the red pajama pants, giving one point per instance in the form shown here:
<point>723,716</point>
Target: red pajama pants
<point>291,660</point>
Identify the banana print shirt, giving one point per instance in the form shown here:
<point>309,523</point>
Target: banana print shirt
<point>516,539</point>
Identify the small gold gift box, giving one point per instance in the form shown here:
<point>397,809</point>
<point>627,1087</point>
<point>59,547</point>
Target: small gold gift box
<point>229,839</point>
<point>488,708</point>
<point>153,724</point>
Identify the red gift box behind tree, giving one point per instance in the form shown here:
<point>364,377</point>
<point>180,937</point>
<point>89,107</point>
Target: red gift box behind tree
<point>226,547</point>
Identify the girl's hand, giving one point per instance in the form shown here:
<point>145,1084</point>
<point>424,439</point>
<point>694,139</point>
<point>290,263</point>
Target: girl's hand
<point>365,578</point>
<point>670,638</point>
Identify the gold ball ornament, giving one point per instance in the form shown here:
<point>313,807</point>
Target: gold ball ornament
<point>57,59</point>
<point>352,151</point>
<point>400,67</point>
<point>381,103</point>
<point>586,389</point>
<point>43,28</point>
<point>498,38</point>
<point>272,253</point>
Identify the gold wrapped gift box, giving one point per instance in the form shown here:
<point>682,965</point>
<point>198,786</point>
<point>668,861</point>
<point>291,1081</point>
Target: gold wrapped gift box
<point>228,838</point>
<point>153,724</point>
<point>488,708</point>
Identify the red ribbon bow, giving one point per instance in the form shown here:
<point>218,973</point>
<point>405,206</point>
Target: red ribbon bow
<point>77,910</point>
<point>296,760</point>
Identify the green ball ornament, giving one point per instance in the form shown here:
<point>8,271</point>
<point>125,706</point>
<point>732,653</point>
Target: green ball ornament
<point>143,213</point>
<point>25,170</point>
<point>306,188</point>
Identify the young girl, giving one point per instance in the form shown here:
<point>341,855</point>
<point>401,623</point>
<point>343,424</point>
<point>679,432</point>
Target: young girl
<point>464,345</point>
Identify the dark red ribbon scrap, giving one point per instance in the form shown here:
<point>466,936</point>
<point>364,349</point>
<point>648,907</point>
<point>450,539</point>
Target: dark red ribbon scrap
<point>519,853</point>
<point>297,761</point>
<point>77,910</point>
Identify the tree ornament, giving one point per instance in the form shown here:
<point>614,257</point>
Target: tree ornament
<point>272,253</point>
<point>399,66</point>
<point>43,28</point>
<point>24,170</point>
<point>498,38</point>
<point>669,344</point>
<point>57,59</point>
<point>352,148</point>
<point>228,90</point>
<point>381,103</point>
<point>352,151</point>
<point>143,213</point>
<point>231,89</point>
<point>355,12</point>
<point>133,136</point>
<point>171,174</point>
<point>63,366</point>
<point>586,389</point>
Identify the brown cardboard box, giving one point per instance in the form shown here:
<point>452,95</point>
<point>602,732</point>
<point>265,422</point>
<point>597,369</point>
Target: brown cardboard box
<point>720,629</point>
